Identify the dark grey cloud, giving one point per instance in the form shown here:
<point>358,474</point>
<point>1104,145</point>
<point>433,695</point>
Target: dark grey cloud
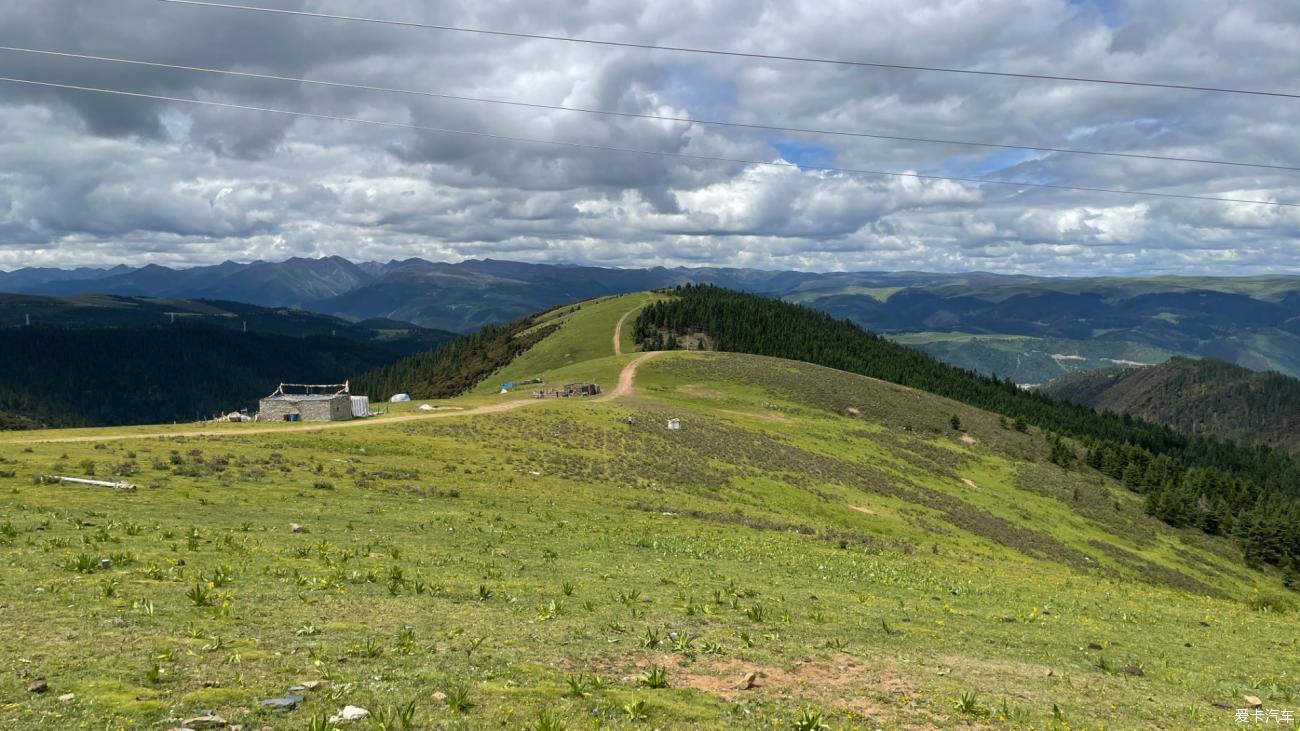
<point>91,179</point>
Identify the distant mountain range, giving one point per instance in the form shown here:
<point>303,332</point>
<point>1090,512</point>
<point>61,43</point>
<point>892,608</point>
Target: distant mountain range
<point>118,311</point>
<point>1028,329</point>
<point>1207,397</point>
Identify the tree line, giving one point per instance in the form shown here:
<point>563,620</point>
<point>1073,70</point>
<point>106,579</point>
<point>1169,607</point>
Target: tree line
<point>455,367</point>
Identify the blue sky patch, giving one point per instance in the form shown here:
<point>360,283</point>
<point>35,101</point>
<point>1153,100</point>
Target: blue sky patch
<point>1111,12</point>
<point>805,154</point>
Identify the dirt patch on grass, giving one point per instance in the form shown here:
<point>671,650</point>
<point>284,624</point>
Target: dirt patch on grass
<point>968,439</point>
<point>764,415</point>
<point>699,390</point>
<point>843,682</point>
<point>853,411</point>
<point>804,679</point>
<point>862,509</point>
<point>968,482</point>
<point>1023,676</point>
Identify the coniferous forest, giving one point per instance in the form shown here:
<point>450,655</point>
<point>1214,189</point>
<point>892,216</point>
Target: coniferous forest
<point>455,367</point>
<point>1249,492</point>
<point>57,377</point>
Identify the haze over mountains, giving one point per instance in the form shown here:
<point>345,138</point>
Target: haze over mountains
<point>1028,329</point>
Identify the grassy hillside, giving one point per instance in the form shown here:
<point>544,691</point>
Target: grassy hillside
<point>811,547</point>
<point>1249,492</point>
<point>1196,396</point>
<point>584,334</point>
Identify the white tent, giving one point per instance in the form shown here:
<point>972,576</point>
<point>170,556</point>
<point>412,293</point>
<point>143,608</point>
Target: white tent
<point>398,398</point>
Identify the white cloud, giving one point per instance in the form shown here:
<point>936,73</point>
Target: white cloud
<point>93,180</point>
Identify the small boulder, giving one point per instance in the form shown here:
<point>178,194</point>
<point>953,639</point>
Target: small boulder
<point>314,684</point>
<point>205,721</point>
<point>296,528</point>
<point>67,697</point>
<point>283,703</point>
<point>749,681</point>
<point>39,686</point>
<point>106,563</point>
<point>1251,701</point>
<point>350,714</point>
<point>1094,646</point>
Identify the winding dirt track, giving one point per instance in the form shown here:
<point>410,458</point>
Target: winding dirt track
<point>627,376</point>
<point>618,331</point>
<point>626,382</point>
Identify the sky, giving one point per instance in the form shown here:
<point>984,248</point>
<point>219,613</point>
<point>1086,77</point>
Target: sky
<point>93,180</point>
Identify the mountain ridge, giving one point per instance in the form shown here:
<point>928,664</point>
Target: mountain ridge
<point>1030,329</point>
<point>1204,396</point>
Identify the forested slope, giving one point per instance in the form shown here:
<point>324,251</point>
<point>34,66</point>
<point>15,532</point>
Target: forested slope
<point>151,375</point>
<point>455,367</point>
<point>1206,396</point>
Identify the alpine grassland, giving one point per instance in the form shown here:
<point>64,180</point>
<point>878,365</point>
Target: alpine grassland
<point>811,549</point>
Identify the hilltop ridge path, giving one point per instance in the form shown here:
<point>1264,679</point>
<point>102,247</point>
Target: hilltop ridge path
<point>626,383</point>
<point>618,332</point>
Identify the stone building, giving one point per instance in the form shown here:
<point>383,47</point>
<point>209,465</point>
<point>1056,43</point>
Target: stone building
<point>319,403</point>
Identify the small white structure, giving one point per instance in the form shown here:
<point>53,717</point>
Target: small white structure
<point>674,425</point>
<point>428,407</point>
<point>399,398</point>
<point>361,406</point>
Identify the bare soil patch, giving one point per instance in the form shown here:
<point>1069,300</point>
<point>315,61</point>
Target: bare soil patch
<point>764,415</point>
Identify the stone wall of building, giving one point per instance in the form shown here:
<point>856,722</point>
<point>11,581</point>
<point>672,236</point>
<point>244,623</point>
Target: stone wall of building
<point>278,408</point>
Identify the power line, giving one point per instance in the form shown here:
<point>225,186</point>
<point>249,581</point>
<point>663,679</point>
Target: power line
<point>637,115</point>
<point>638,151</point>
<point>735,54</point>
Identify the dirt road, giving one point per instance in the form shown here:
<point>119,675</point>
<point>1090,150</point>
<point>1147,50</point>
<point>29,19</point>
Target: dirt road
<point>627,376</point>
<point>618,331</point>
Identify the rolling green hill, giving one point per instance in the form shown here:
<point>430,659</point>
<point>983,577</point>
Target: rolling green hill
<point>812,548</point>
<point>1196,396</point>
<point>1252,493</point>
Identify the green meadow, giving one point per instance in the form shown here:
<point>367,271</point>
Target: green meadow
<point>811,550</point>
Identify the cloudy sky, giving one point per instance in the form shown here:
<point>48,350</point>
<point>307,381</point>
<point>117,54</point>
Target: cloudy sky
<point>89,179</point>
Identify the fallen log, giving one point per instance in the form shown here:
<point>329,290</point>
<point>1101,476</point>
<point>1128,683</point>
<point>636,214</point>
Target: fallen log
<point>120,485</point>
